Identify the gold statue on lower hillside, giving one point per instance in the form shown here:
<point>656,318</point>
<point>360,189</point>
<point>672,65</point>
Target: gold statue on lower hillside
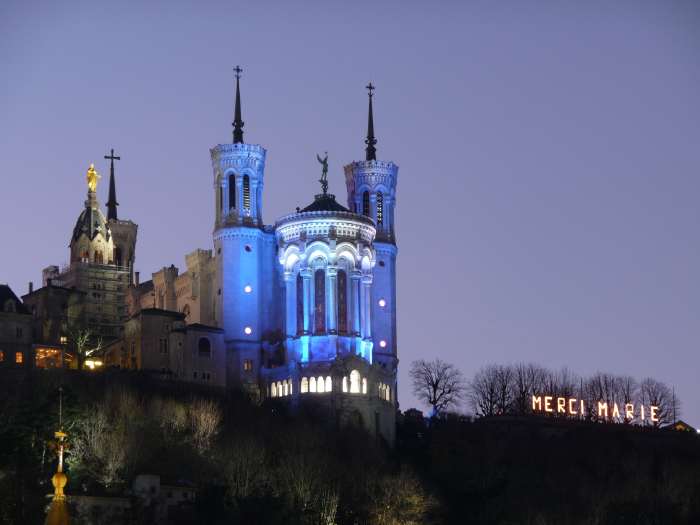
<point>92,178</point>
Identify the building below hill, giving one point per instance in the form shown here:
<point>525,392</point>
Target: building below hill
<point>15,330</point>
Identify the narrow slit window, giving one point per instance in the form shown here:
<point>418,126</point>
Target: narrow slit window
<point>380,208</point>
<point>232,191</point>
<point>320,302</point>
<point>342,302</point>
<point>300,304</point>
<point>365,204</point>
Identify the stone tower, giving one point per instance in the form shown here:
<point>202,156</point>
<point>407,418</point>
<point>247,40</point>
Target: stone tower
<point>244,251</point>
<point>371,186</point>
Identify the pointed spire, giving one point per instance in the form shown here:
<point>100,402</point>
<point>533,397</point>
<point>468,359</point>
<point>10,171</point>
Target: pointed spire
<point>112,202</point>
<point>237,120</point>
<point>370,140</point>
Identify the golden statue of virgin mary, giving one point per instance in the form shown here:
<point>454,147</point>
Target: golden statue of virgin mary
<point>92,178</point>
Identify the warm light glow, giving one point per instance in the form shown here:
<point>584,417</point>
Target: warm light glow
<point>248,330</point>
<point>602,409</point>
<point>629,411</point>
<point>382,303</point>
<point>248,288</point>
<point>93,363</point>
<point>64,340</point>
<point>561,405</point>
<point>19,357</point>
<point>653,414</point>
<point>572,410</point>
<point>548,404</point>
<point>382,343</point>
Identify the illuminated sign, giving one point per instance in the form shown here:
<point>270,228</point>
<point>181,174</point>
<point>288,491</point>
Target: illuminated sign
<point>571,406</point>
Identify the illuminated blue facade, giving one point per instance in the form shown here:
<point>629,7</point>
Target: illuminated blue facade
<point>308,305</point>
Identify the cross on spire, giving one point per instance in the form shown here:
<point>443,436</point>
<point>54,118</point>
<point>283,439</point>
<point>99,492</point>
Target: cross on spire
<point>237,119</point>
<point>112,202</point>
<point>371,141</point>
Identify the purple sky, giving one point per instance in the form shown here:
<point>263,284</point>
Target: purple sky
<point>548,151</point>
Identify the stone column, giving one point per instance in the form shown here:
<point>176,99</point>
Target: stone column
<point>366,302</point>
<point>291,302</point>
<point>332,299</point>
<point>355,312</point>
<point>306,274</point>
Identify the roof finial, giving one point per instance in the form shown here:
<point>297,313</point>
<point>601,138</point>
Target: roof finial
<point>112,202</point>
<point>237,120</point>
<point>324,173</point>
<point>370,140</point>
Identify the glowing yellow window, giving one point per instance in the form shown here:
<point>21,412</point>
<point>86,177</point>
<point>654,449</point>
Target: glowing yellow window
<point>19,357</point>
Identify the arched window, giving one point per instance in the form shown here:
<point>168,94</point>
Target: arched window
<point>304,385</point>
<point>273,393</point>
<point>364,385</point>
<point>289,382</point>
<point>118,256</point>
<point>312,385</point>
<point>221,198</point>
<point>99,258</point>
<point>246,192</point>
<point>354,382</point>
<point>380,208</point>
<point>365,204</point>
<point>204,347</point>
<point>342,302</point>
<point>231,191</point>
<point>286,388</point>
<point>329,384</point>
<point>388,393</point>
<point>320,386</point>
<point>300,304</point>
<point>320,301</point>
<point>345,383</point>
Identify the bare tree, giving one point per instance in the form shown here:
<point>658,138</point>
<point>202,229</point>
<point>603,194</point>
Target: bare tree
<point>528,380</point>
<point>83,342</point>
<point>658,394</point>
<point>205,417</point>
<point>438,384</point>
<point>483,391</point>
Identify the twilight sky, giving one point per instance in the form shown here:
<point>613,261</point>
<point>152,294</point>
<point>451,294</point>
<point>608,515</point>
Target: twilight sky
<point>549,152</point>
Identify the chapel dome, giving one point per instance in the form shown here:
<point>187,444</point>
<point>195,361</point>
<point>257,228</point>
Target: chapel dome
<point>91,222</point>
<point>324,219</point>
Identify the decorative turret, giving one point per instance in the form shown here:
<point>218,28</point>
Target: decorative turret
<point>92,239</point>
<point>371,186</point>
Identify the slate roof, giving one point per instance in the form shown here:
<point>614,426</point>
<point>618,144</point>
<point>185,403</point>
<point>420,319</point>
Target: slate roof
<point>6,294</point>
<point>90,222</point>
<point>325,202</point>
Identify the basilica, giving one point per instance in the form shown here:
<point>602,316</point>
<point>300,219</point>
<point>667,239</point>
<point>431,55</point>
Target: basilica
<point>299,311</point>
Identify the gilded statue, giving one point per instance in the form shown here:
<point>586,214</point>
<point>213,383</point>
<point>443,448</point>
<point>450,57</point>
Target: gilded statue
<point>92,178</point>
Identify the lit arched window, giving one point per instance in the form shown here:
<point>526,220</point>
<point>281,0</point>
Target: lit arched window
<point>246,192</point>
<point>388,393</point>
<point>289,381</point>
<point>286,388</point>
<point>364,385</point>
<point>204,347</point>
<point>320,386</point>
<point>345,383</point>
<point>329,384</point>
<point>342,302</point>
<point>231,191</point>
<point>380,208</point>
<point>304,385</point>
<point>320,301</point>
<point>354,382</point>
<point>300,304</point>
<point>273,393</point>
<point>365,203</point>
<point>312,385</point>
